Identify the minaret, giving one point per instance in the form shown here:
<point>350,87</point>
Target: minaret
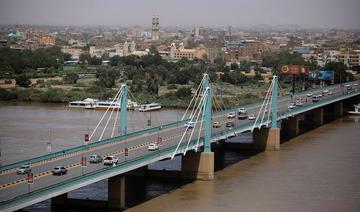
<point>155,28</point>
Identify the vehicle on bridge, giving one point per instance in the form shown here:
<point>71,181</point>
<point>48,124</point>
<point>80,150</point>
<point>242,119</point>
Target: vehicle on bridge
<point>110,160</point>
<point>24,169</point>
<point>189,124</point>
<point>299,103</point>
<point>241,110</point>
<point>95,159</point>
<point>216,124</point>
<point>59,170</point>
<point>316,98</point>
<point>153,147</point>
<point>309,94</point>
<point>251,117</point>
<point>291,106</point>
<point>242,116</point>
<point>230,124</point>
<point>231,115</point>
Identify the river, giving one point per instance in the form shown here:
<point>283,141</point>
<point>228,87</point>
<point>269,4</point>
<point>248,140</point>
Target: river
<point>316,171</point>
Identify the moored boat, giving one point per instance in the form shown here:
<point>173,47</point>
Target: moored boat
<point>104,105</point>
<point>150,107</point>
<point>356,110</point>
<point>87,103</point>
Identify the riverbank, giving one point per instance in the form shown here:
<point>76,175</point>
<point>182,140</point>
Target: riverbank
<point>61,95</point>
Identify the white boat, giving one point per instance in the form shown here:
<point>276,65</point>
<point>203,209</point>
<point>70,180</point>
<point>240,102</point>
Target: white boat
<point>87,103</point>
<point>132,105</point>
<point>149,107</point>
<point>104,105</point>
<point>356,110</point>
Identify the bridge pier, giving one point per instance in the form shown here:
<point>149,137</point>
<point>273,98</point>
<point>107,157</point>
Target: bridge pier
<point>291,125</point>
<point>116,192</point>
<point>198,165</point>
<point>266,139</point>
<point>59,200</point>
<point>318,116</point>
<point>339,109</point>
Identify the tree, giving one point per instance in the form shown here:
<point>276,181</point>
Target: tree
<point>71,78</point>
<point>67,57</point>
<point>84,57</point>
<point>152,87</point>
<point>115,60</point>
<point>339,71</point>
<point>23,80</point>
<point>183,92</point>
<point>106,78</point>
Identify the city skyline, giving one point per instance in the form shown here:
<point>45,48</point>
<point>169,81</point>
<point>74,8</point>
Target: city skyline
<point>306,14</point>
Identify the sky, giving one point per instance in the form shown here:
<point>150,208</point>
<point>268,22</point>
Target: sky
<point>342,14</point>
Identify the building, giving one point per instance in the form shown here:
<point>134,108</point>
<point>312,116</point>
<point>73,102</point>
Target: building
<point>155,29</point>
<point>130,49</point>
<point>350,58</point>
<point>177,53</point>
<point>46,40</point>
<point>75,52</point>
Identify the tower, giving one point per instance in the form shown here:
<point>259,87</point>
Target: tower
<point>155,28</point>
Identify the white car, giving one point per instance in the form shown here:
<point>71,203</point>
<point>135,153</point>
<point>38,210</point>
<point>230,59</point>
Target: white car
<point>299,103</point>
<point>242,110</point>
<point>251,117</point>
<point>189,124</point>
<point>309,94</point>
<point>231,115</point>
<point>291,105</point>
<point>24,169</point>
<point>153,147</point>
<point>216,124</point>
<point>110,160</point>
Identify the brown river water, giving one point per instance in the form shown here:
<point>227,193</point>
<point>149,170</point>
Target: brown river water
<point>316,171</point>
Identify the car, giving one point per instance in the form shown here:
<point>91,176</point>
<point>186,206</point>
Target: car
<point>95,159</point>
<point>242,116</point>
<point>153,147</point>
<point>59,170</point>
<point>309,94</point>
<point>316,98</point>
<point>331,93</point>
<point>24,169</point>
<point>241,110</point>
<point>348,87</point>
<point>291,105</point>
<point>230,124</point>
<point>216,124</point>
<point>251,117</point>
<point>189,124</point>
<point>299,103</point>
<point>231,115</point>
<point>110,160</point>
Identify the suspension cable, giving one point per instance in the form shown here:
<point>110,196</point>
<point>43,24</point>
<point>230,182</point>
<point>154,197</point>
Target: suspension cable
<point>92,134</point>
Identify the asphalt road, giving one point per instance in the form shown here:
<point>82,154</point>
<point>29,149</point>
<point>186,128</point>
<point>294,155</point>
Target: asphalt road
<point>13,185</point>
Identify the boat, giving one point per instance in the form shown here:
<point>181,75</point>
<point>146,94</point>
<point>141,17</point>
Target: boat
<point>87,103</point>
<point>356,110</point>
<point>104,105</point>
<point>149,107</point>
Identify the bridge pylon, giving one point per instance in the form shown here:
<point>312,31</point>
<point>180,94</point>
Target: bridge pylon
<point>123,106</point>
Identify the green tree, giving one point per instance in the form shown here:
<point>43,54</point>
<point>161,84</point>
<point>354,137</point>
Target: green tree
<point>23,80</point>
<point>71,78</point>
<point>183,92</point>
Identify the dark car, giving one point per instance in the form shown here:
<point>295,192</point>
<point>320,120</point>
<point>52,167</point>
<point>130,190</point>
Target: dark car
<point>59,170</point>
<point>230,124</point>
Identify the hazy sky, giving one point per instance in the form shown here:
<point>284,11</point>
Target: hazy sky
<point>240,13</point>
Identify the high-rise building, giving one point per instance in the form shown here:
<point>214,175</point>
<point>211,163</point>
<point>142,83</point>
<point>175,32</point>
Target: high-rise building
<point>155,28</point>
